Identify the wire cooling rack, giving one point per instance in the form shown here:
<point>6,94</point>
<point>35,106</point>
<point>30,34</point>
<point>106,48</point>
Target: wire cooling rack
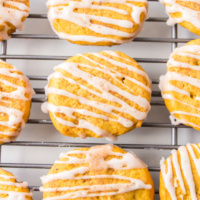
<point>174,40</point>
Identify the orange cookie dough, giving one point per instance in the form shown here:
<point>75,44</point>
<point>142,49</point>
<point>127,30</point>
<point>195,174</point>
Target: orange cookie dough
<point>180,174</point>
<point>101,94</point>
<point>12,15</point>
<point>11,189</point>
<point>102,172</point>
<point>180,86</point>
<point>15,101</point>
<point>185,13</point>
<point>97,22</point>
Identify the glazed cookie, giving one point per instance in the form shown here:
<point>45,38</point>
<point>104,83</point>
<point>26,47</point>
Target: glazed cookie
<point>97,22</point>
<point>11,189</point>
<point>98,95</point>
<point>180,86</point>
<point>184,12</point>
<point>15,101</point>
<point>179,176</point>
<point>12,15</point>
<point>98,173</point>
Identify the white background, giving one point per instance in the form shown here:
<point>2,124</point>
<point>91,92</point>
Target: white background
<point>47,133</point>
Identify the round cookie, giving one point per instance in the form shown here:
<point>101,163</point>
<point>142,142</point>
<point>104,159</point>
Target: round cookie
<point>15,101</point>
<point>180,86</point>
<point>11,189</point>
<point>98,173</point>
<point>180,174</point>
<point>12,15</point>
<point>97,22</point>
<point>101,94</point>
<point>185,13</point>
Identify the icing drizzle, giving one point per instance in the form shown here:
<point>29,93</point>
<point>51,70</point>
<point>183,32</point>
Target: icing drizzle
<point>187,14</point>
<point>19,93</point>
<point>13,195</point>
<point>12,15</point>
<point>104,87</point>
<point>95,157</point>
<point>166,87</point>
<point>182,169</point>
<point>64,9</point>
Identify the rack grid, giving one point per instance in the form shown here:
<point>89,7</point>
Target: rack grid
<point>174,40</point>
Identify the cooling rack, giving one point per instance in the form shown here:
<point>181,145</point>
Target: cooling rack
<point>174,40</point>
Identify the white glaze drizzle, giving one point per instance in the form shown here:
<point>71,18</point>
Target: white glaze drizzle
<point>178,170</point>
<point>192,51</point>
<point>15,195</point>
<point>185,113</point>
<point>167,177</point>
<point>59,10</point>
<point>19,92</point>
<point>23,184</point>
<point>188,14</point>
<point>182,169</point>
<point>192,153</point>
<point>7,177</point>
<point>190,55</point>
<point>104,87</point>
<point>12,15</point>
<point>173,63</point>
<point>171,76</point>
<point>187,171</point>
<point>95,157</point>
<point>118,164</point>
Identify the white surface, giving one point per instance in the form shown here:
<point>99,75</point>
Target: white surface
<point>36,132</point>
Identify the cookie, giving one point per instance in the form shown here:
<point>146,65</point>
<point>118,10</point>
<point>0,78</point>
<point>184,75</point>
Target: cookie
<point>180,86</point>
<point>12,15</point>
<point>11,189</point>
<point>102,172</point>
<point>179,176</point>
<point>185,13</point>
<point>97,22</point>
<point>15,101</point>
<point>101,94</point>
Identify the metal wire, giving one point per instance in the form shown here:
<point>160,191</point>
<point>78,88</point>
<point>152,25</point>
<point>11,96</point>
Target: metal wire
<point>68,144</point>
<point>174,40</point>
<point>174,131</point>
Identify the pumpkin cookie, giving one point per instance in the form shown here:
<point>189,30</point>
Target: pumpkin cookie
<point>98,173</point>
<point>12,15</point>
<point>11,189</point>
<point>15,101</point>
<point>185,13</point>
<point>180,86</point>
<point>101,94</point>
<point>97,22</point>
<point>179,176</point>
